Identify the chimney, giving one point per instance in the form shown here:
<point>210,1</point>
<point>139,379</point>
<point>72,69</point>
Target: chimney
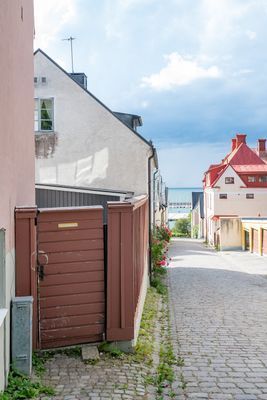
<point>240,138</point>
<point>233,144</point>
<point>261,146</point>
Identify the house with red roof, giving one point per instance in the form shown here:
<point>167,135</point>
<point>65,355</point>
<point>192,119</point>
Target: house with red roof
<point>235,188</point>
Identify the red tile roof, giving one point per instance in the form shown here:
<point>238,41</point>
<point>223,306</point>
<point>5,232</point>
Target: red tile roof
<point>250,168</point>
<point>242,159</point>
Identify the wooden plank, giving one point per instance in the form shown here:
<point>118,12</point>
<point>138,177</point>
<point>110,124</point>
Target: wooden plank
<point>69,245</point>
<point>69,267</point>
<point>74,215</point>
<point>75,277</point>
<point>72,299</point>
<point>75,288</point>
<point>80,256</point>
<point>72,341</point>
<point>74,331</point>
<point>82,224</point>
<point>72,321</point>
<point>96,233</point>
<point>79,309</point>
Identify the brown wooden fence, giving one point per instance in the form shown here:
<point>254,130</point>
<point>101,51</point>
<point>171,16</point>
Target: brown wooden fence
<point>61,234</point>
<point>127,265</point>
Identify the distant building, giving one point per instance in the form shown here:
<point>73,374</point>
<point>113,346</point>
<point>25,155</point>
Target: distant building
<point>197,215</point>
<point>16,149</point>
<point>236,187</point>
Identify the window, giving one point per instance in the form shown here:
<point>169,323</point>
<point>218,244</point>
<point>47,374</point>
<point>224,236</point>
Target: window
<point>223,196</point>
<point>250,196</point>
<point>263,179</point>
<point>252,179</point>
<point>44,115</point>
<point>229,180</point>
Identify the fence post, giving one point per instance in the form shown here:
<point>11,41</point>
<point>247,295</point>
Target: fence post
<point>120,274</point>
<point>26,276</point>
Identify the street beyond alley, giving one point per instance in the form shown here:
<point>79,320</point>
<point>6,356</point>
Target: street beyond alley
<point>219,322</point>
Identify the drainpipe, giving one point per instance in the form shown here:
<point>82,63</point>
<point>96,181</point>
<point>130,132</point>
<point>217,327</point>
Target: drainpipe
<point>154,196</point>
<point>149,211</point>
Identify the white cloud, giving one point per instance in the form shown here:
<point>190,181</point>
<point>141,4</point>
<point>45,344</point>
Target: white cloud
<point>243,71</point>
<point>179,71</point>
<point>50,17</point>
<point>112,31</point>
<point>144,104</point>
<point>251,34</point>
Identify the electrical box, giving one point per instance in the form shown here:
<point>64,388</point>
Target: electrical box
<point>22,334</point>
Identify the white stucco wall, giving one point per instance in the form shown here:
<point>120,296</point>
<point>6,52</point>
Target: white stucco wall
<point>90,147</point>
<point>236,202</point>
<point>230,234</point>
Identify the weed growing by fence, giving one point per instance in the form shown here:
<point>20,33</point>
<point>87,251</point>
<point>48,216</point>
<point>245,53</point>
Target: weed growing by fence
<point>22,387</point>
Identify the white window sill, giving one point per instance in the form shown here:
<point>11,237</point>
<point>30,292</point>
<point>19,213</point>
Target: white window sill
<point>3,313</point>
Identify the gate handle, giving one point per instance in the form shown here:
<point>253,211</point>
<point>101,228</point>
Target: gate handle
<point>42,253</point>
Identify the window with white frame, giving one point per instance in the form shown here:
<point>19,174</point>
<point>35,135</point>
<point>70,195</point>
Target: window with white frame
<point>44,115</point>
<point>223,196</point>
<point>252,179</point>
<point>263,178</point>
<point>229,180</point>
<point>250,196</point>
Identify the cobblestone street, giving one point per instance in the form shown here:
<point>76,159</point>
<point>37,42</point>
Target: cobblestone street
<point>219,322</point>
<point>108,379</point>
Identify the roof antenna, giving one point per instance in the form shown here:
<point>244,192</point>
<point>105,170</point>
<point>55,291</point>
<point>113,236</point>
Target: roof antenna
<point>70,39</point>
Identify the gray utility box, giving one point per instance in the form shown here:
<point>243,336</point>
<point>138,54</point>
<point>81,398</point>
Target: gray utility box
<point>22,334</point>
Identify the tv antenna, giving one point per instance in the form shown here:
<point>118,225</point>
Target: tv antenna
<point>70,39</point>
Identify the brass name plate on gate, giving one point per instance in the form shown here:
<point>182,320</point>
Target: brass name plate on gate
<point>68,225</point>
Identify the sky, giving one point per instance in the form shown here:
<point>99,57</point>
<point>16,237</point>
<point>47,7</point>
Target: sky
<point>195,70</point>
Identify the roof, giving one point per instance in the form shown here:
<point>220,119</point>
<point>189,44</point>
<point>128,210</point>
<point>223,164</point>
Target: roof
<point>149,143</point>
<point>57,186</point>
<point>250,168</point>
<point>198,201</point>
<point>243,155</point>
<point>242,159</point>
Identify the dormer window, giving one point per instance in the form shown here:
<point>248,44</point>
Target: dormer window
<point>229,180</point>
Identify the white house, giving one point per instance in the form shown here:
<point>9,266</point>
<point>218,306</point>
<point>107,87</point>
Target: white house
<point>80,142</point>
<point>235,188</point>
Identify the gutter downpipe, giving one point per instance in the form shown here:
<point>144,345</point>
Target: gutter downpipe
<point>149,211</point>
<point>154,195</point>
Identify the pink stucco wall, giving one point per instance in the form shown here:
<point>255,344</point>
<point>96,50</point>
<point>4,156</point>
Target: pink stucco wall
<point>16,111</point>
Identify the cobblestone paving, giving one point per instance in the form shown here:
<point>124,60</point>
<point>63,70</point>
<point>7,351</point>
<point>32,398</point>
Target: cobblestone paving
<point>219,323</point>
<point>108,379</point>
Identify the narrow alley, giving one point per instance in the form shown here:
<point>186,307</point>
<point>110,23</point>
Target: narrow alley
<point>218,306</point>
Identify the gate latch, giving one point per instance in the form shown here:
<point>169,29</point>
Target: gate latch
<point>41,272</point>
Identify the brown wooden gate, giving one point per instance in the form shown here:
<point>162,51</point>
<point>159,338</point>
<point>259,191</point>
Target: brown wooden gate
<point>71,277</point>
